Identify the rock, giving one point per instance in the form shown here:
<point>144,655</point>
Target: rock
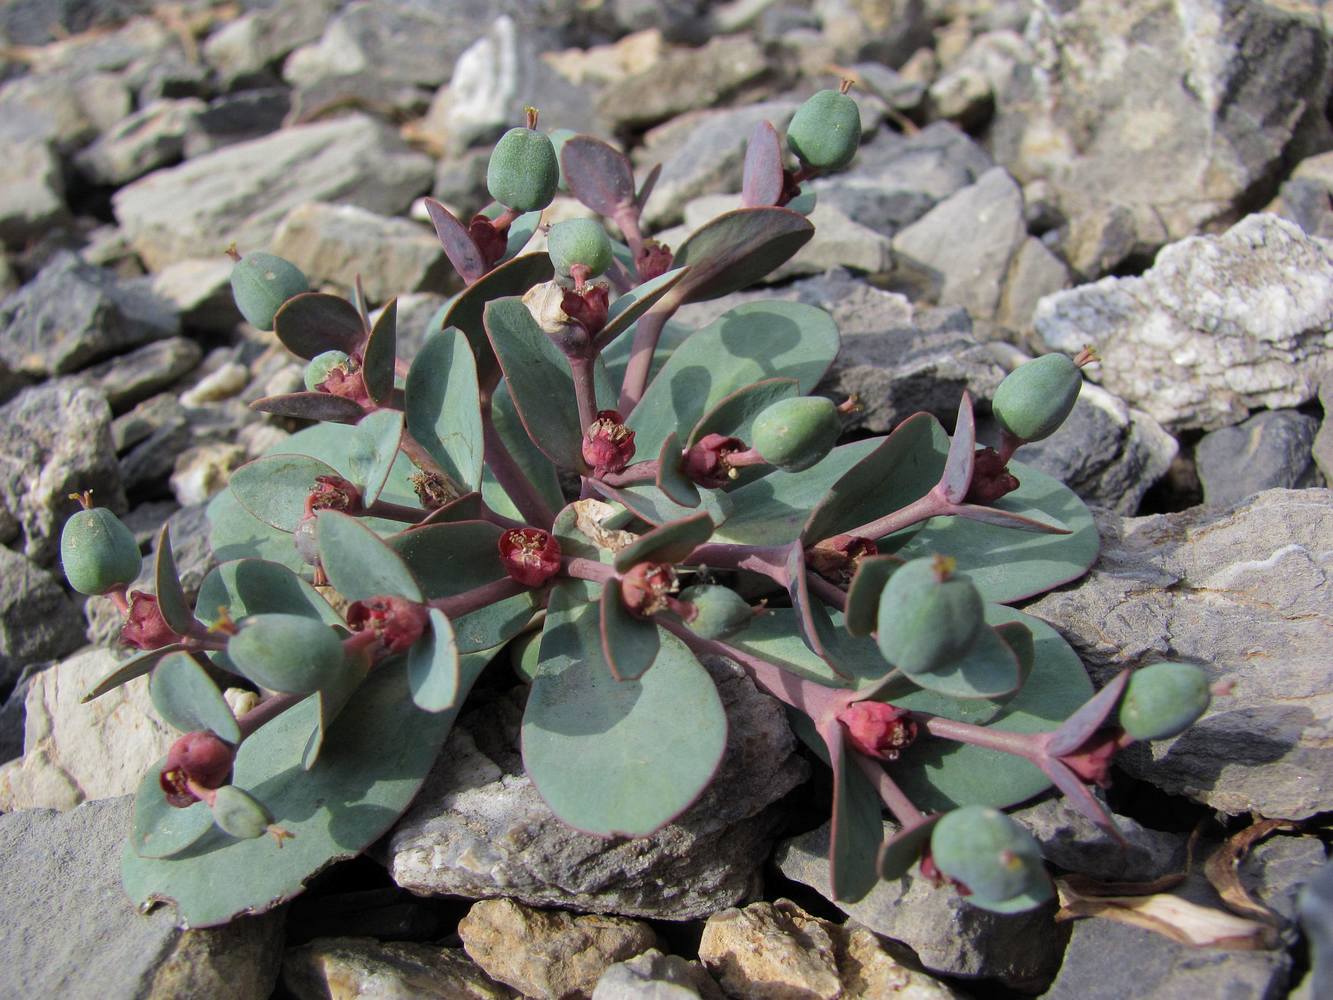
<point>243,191</point>
<point>478,827</point>
<point>55,439</point>
<point>132,377</point>
<point>1276,870</point>
<point>548,954</point>
<point>227,381</point>
<point>12,715</point>
<point>1244,592</point>
<point>239,117</point>
<point>349,968</point>
<point>37,620</point>
<point>245,48</point>
<point>152,137</point>
<point>75,751</point>
<point>683,80</point>
<point>203,471</point>
<point>37,22</point>
<point>1112,127</point>
<point>968,272</point>
<point>777,951</point>
<point>1106,452</point>
<point>655,976</point>
<point>894,89</point>
<point>947,935</point>
<point>32,192</point>
<point>1269,450</point>
<point>200,292</point>
<point>1322,448</point>
<point>1219,326</point>
<point>965,91</point>
<point>1316,913</point>
<point>67,110</point>
<point>1071,841</point>
<point>72,314</point>
<point>1034,273</point>
<point>70,930</point>
<point>334,243</point>
<point>1306,198</point>
<point>887,32</point>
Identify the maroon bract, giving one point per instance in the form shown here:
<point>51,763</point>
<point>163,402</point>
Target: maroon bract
<point>144,627</point>
<point>530,556</point>
<point>200,758</point>
<point>347,384</point>
<point>608,445</point>
<point>878,729</point>
<point>398,622</point>
<point>647,588</point>
<point>587,306</point>
<point>334,493</point>
<point>706,463</point>
<point>837,558</point>
<point>991,478</point>
<point>491,242</point>
<point>653,260</point>
<point>1092,761</point>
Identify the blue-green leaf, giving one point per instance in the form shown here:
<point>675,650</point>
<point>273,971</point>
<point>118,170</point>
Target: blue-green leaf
<point>186,698</point>
<point>358,562</point>
<point>171,600</point>
<point>385,429</point>
<point>432,666</point>
<point>274,488</point>
<point>443,406</point>
<point>381,355</point>
<point>159,829</point>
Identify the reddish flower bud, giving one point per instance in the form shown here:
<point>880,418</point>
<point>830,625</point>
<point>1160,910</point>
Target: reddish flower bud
<point>878,729</point>
<point>791,187</point>
<point>1092,761</point>
<point>652,260</point>
<point>931,873</point>
<point>398,622</point>
<point>144,627</point>
<point>991,478</point>
<point>530,556</point>
<point>647,588</point>
<point>587,306</point>
<point>334,493</point>
<point>837,558</point>
<point>201,758</point>
<point>608,445</point>
<point>706,461</point>
<point>348,384</point>
<point>491,242</point>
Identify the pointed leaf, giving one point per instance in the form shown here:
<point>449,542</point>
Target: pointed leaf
<point>957,475</point>
<point>775,637</point>
<point>811,617</point>
<point>385,429</point>
<point>527,456</point>
<point>171,600</point>
<point>362,306</point>
<point>311,406</point>
<point>539,380</point>
<point>671,478</point>
<point>358,562</point>
<point>432,666</point>
<point>629,644</point>
<point>1008,519</point>
<point>872,575</point>
<point>626,310</point>
<point>668,543</point>
<point>1090,717</point>
<point>598,174</point>
<point>857,827</point>
<point>904,849</point>
<point>737,248</point>
<point>248,587</point>
<point>649,182</point>
<point>762,179</point>
<point>381,355</point>
<point>311,323</point>
<point>186,698</point>
<point>1079,796</point>
<point>734,414</point>
<point>655,507</point>
<point>458,244</point>
<point>444,408</point>
<point>331,699</point>
<point>127,670</point>
<point>159,829</point>
<point>617,758</point>
<point>274,488</point>
<point>520,233</point>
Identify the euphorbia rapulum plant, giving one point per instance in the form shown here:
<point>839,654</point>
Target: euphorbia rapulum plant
<point>376,561</point>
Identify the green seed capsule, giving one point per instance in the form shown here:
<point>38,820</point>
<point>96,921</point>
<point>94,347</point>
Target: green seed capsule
<point>721,611</point>
<point>238,814</point>
<point>579,241</point>
<point>318,369</point>
<point>98,552</point>
<point>794,434</point>
<point>1163,700</point>
<point>523,172</point>
<point>985,850</point>
<point>826,131</point>
<point>927,618</point>
<point>289,653</point>
<point>1034,399</point>
<point>261,283</point>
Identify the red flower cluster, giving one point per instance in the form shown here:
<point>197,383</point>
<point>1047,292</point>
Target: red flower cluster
<point>878,729</point>
<point>398,622</point>
<point>201,758</point>
<point>705,462</point>
<point>587,306</point>
<point>608,445</point>
<point>530,556</point>
<point>144,627</point>
<point>334,493</point>
<point>647,588</point>
<point>991,478</point>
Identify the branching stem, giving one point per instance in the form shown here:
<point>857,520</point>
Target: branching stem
<point>511,477</point>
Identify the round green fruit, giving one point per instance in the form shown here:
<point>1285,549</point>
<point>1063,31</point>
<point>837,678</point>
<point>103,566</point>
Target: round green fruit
<point>261,283</point>
<point>98,552</point>
<point>721,611</point>
<point>1034,399</point>
<point>238,814</point>
<point>794,434</point>
<point>579,241</point>
<point>928,619</point>
<point>524,171</point>
<point>1163,700</point>
<point>826,131</point>
<point>990,854</point>
<point>288,653</point>
<point>320,366</point>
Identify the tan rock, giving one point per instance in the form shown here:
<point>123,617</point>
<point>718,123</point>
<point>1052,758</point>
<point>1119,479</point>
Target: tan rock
<point>352,968</point>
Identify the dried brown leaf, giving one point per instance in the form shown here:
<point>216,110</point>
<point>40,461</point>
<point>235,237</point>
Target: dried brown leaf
<point>1171,916</point>
<point>1223,870</point>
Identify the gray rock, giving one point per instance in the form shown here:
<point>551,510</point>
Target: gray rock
<point>32,191</point>
<point>414,315</point>
<point>1111,125</point>
<point>13,716</point>
<point>1244,592</point>
<point>479,828</point>
<point>1105,451</point>
<point>238,117</point>
<point>55,439</point>
<point>351,968</point>
<point>894,89</point>
<point>242,192</point>
<point>152,137</point>
<point>70,931</point>
<point>1073,842</point>
<point>200,291</point>
<point>887,31</point>
<point>1220,326</point>
<point>656,976</point>
<point>1034,273</point>
<point>965,91</point>
<point>132,377</point>
<point>72,314</point>
<point>37,22</point>
<point>1276,870</point>
<point>947,934</point>
<point>1269,450</point>
<point>1322,448</point>
<point>245,48</point>
<point>37,620</point>
<point>460,181</point>
<point>67,110</point>
<point>969,272</point>
<point>1307,203</point>
<point>334,243</point>
<point>1316,913</point>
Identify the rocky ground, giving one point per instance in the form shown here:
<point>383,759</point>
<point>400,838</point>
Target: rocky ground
<point>1149,177</point>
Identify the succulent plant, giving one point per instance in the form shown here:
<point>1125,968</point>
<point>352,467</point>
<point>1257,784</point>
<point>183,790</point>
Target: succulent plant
<point>261,283</point>
<point>429,495</point>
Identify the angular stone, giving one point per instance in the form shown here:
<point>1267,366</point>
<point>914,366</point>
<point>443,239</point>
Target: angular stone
<point>200,291</point>
<point>32,191</point>
<point>242,192</point>
<point>244,48</point>
<point>55,439</point>
<point>152,137</point>
<point>352,968</point>
<point>1071,841</point>
<point>70,930</point>
<point>1322,448</point>
<point>655,976</point>
<point>238,117</point>
<point>74,751</point>
<point>1034,273</point>
<point>548,953</point>
<point>1270,450</point>
<point>334,243</point>
<point>1219,326</point>
<point>1276,870</point>
<point>947,935</point>
<point>203,471</point>
<point>73,314</point>
<point>37,620</point>
<point>64,109</point>
<point>479,828</point>
<point>132,377</point>
<point>1244,592</point>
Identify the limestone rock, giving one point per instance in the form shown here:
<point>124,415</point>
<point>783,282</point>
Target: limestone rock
<point>152,137</point>
<point>352,968</point>
<point>32,191</point>
<point>655,976</point>
<point>37,620</point>
<point>1073,842</point>
<point>132,377</point>
<point>1270,450</point>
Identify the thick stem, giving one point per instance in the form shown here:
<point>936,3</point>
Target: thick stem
<point>639,472</point>
<point>586,569</point>
<point>928,506</point>
<point>627,218</point>
<point>1008,445</point>
<point>1019,744</point>
<point>394,512</point>
<point>828,591</point>
<point>768,560</point>
<point>270,708</point>
<point>646,334</point>
<point>118,598</point>
<point>511,478</point>
<point>478,597</point>
<point>904,809</point>
<point>585,393</point>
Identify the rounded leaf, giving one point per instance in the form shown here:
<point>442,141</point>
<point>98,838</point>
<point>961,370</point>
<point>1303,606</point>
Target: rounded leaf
<point>98,552</point>
<point>826,130</point>
<point>524,171</point>
<point>1163,700</point>
<point>1034,399</point>
<point>236,812</point>
<point>159,829</point>
<point>985,850</point>
<point>261,283</point>
<point>186,697</point>
<point>289,653</point>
